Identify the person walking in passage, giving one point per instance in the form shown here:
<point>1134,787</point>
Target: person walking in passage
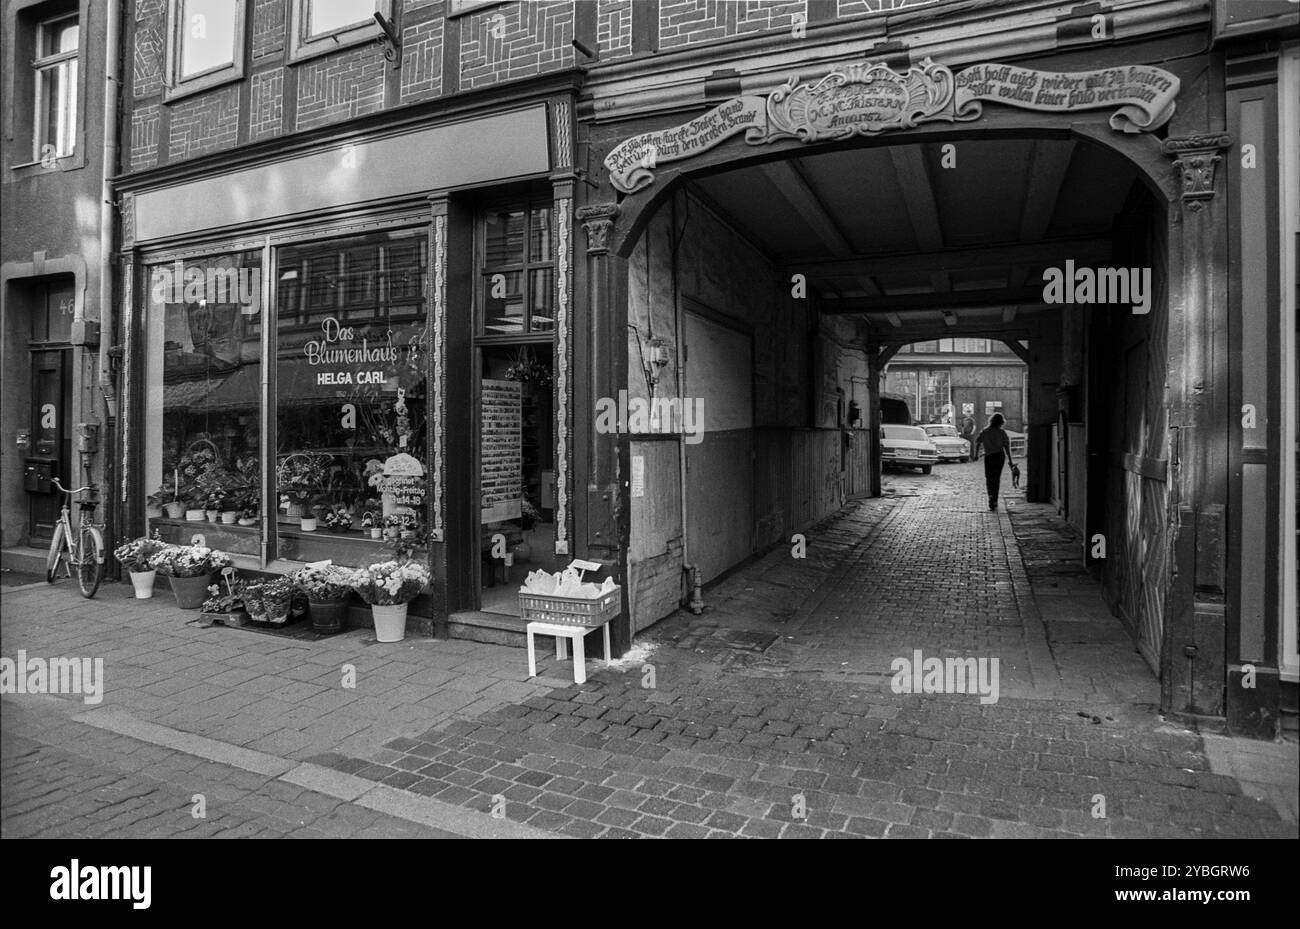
<point>995,445</point>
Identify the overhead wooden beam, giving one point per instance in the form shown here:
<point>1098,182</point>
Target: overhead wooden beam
<point>918,333</point>
<point>795,188</point>
<point>1083,251</point>
<point>1049,163</point>
<point>918,195</point>
<point>1021,352</point>
<point>912,303</point>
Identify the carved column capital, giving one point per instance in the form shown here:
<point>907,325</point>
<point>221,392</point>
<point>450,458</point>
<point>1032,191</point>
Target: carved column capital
<point>597,220</point>
<point>1195,158</point>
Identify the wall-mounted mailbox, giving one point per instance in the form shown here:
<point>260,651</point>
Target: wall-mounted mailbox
<point>37,475</point>
<point>85,332</point>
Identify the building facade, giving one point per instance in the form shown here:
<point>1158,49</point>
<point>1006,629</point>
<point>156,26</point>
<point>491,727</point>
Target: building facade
<point>55,238</point>
<point>609,279</point>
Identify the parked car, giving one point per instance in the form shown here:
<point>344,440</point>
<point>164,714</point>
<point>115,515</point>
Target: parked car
<point>907,447</point>
<point>948,441</point>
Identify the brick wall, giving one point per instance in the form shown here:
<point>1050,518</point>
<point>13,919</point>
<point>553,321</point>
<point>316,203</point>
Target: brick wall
<point>266,105</point>
<point>515,41</point>
<point>422,60</point>
<point>205,123</point>
<point>343,86</point>
<point>143,147</point>
<point>863,7</point>
<point>614,28</point>
<point>686,22</point>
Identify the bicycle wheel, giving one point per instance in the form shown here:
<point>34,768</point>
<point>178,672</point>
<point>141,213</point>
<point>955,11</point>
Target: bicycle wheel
<point>90,567</point>
<point>57,546</point>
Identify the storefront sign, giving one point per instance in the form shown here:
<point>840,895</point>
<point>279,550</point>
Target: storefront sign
<point>337,347</point>
<point>866,99</point>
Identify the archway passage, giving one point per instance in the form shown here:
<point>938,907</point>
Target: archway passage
<point>774,293</point>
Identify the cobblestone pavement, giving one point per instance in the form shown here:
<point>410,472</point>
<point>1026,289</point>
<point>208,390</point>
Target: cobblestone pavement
<point>769,715</point>
<point>64,779</point>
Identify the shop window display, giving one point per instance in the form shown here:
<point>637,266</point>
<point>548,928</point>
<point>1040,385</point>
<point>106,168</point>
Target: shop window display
<point>350,419</point>
<point>202,462</point>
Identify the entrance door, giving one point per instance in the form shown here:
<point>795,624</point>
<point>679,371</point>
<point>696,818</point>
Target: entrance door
<point>51,438</point>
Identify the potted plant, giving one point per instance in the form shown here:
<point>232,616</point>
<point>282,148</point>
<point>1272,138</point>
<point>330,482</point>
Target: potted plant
<point>326,588</point>
<point>389,587</point>
<point>226,605</point>
<point>300,477</point>
<point>277,596</point>
<point>247,516</point>
<point>528,514</point>
<point>190,569</point>
<point>373,521</point>
<point>135,556</point>
<point>337,518</point>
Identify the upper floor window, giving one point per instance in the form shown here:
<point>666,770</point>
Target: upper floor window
<point>207,44</point>
<point>57,43</point>
<point>321,26</point>
<point>517,286</point>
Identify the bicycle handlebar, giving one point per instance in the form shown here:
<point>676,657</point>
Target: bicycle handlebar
<point>55,482</point>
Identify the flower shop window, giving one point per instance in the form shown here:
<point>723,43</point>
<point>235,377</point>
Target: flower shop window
<point>351,416</point>
<point>203,330</point>
<point>516,287</point>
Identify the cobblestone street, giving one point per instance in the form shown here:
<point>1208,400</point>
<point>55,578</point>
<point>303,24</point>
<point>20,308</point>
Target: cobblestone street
<point>771,714</point>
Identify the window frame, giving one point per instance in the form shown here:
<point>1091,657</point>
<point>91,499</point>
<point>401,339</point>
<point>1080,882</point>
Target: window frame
<point>525,267</point>
<point>176,87</point>
<point>303,47</point>
<point>44,63</point>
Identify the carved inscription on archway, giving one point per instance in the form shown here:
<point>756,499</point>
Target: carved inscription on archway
<point>869,98</point>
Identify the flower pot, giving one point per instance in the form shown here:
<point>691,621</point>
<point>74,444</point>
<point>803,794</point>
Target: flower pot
<point>153,512</point>
<point>376,533</point>
<point>142,581</point>
<point>248,522</point>
<point>194,516</point>
<point>294,511</point>
<point>190,592</point>
<point>229,517</point>
<point>308,524</point>
<point>328,616</point>
<point>390,621</point>
<point>175,510</point>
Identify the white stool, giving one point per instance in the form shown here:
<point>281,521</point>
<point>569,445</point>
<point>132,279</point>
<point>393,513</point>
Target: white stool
<point>562,632</point>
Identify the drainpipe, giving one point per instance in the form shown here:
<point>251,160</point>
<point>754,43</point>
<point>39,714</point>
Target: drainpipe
<point>112,82</point>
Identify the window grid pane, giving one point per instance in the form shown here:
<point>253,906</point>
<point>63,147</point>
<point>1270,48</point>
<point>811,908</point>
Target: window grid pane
<point>207,36</point>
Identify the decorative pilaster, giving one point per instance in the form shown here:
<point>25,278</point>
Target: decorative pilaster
<point>437,377</point>
<point>563,214</point>
<point>1197,158</point>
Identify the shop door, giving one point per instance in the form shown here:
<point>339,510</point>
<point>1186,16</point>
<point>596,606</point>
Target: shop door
<point>51,446</point>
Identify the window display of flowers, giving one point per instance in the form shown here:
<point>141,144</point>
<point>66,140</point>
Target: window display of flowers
<point>301,477</point>
<point>337,517</point>
<point>136,555</point>
<point>323,582</point>
<point>389,583</point>
<point>188,561</point>
<point>213,489</point>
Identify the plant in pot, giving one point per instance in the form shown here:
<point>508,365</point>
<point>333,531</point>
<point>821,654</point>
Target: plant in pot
<point>198,460</point>
<point>337,518</point>
<point>213,488</point>
<point>372,521</point>
<point>300,477</point>
<point>225,603</point>
<point>326,588</point>
<point>136,556</point>
<point>528,514</point>
<point>268,601</point>
<point>189,568</point>
<point>389,587</point>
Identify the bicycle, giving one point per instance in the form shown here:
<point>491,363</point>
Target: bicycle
<point>84,551</point>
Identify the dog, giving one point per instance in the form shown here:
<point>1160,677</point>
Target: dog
<point>1015,475</point>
